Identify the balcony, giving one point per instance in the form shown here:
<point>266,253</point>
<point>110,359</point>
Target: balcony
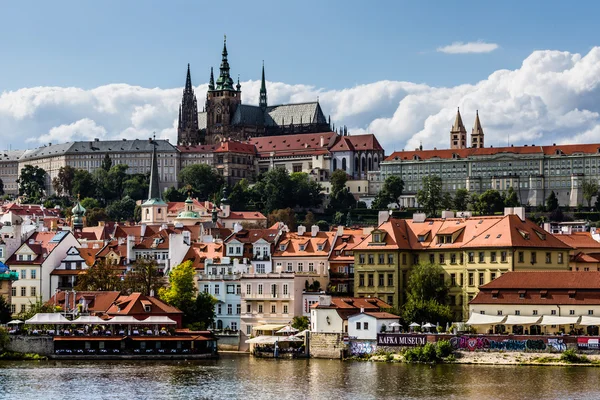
<point>271,275</point>
<point>219,277</point>
<point>266,296</point>
<point>261,257</point>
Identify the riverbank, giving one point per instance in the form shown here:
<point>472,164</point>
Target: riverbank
<point>500,358</point>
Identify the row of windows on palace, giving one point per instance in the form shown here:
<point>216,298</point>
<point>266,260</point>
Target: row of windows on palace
<point>535,312</point>
<point>454,257</point>
<point>259,309</point>
<point>236,289</point>
<point>22,291</point>
<point>455,279</point>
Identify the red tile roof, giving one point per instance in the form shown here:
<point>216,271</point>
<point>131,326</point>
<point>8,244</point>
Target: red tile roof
<point>579,240</point>
<point>205,148</point>
<point>307,143</point>
<point>545,280</point>
<point>232,146</point>
<point>357,143</point>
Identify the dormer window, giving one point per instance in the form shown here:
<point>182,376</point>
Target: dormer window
<point>521,294</point>
<point>282,247</point>
<point>147,308</point>
<point>320,247</point>
<point>377,238</point>
<point>494,294</point>
<point>572,294</point>
<point>301,247</point>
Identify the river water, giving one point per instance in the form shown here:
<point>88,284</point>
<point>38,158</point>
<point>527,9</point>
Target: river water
<point>242,377</point>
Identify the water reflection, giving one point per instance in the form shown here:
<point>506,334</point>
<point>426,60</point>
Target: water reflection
<point>249,378</point>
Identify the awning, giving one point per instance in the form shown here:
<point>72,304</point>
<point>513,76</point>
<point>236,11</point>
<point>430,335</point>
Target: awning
<point>264,339</point>
<point>122,320</point>
<point>556,320</point>
<point>588,321</point>
<point>522,320</point>
<point>47,319</point>
<point>268,327</point>
<point>287,329</point>
<point>158,320</point>
<point>482,319</point>
<point>89,319</point>
<point>161,338</point>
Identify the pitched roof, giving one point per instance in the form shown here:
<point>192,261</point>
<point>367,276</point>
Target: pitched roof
<point>232,146</point>
<point>579,240</point>
<point>382,315</point>
<point>357,143</point>
<point>344,243</point>
<point>305,143</point>
<point>134,304</point>
<point>253,235</point>
<point>301,112</point>
<point>247,215</point>
<point>201,148</point>
<point>292,242</point>
<point>545,280</point>
<point>248,115</point>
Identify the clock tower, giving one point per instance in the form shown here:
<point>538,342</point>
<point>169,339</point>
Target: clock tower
<point>222,99</point>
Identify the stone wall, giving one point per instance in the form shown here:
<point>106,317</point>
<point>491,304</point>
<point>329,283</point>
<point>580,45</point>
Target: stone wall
<point>326,345</point>
<point>43,345</point>
<point>228,342</point>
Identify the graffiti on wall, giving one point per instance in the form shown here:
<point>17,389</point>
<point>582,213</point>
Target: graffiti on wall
<point>358,348</point>
<point>484,343</point>
<point>557,344</point>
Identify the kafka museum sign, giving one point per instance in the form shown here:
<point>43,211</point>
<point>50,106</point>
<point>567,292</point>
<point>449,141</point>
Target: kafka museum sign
<point>400,340</point>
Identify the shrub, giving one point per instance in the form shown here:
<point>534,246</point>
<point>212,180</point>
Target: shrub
<point>571,356</point>
<point>443,349</point>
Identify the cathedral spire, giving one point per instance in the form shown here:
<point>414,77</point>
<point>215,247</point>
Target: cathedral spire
<point>153,190</point>
<point>262,101</point>
<point>477,133</point>
<point>458,133</point>
<point>224,82</point>
<point>188,81</point>
<point>211,82</point>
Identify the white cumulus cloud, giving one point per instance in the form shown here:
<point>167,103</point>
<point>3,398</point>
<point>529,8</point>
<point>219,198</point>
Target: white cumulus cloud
<point>551,98</point>
<point>469,47</point>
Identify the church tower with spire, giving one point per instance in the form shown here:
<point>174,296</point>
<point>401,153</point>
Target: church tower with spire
<point>222,99</point>
<point>262,100</point>
<point>188,132</point>
<point>458,133</point>
<point>154,210</point>
<point>477,133</point>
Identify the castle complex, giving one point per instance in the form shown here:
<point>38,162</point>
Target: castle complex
<point>225,117</point>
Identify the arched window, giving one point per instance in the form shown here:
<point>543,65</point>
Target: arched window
<point>356,164</point>
<point>344,163</point>
<point>363,166</point>
<point>370,163</point>
<point>334,164</point>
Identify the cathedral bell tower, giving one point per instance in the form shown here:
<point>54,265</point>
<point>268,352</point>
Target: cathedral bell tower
<point>458,133</point>
<point>188,132</point>
<point>222,99</point>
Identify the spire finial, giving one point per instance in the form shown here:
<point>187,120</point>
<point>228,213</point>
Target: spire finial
<point>262,98</point>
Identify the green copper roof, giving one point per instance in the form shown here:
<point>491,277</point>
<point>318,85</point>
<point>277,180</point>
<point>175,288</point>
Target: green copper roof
<point>188,214</point>
<point>152,202</point>
<point>224,82</point>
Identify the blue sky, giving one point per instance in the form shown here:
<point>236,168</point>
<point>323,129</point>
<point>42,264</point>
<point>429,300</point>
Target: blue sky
<point>74,70</point>
<point>330,44</point>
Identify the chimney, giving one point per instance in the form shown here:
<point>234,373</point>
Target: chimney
<point>130,244</point>
<point>447,214</point>
<point>314,230</point>
<point>340,230</point>
<point>322,141</point>
<point>325,301</point>
<point>383,216</point>
<point>419,217</point>
<point>301,230</point>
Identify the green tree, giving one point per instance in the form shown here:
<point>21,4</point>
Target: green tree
<point>590,189</point>
<point>181,290</point>
<point>307,192</point>
<point>300,322</point>
<point>203,313</point>
<point>240,196</point>
<point>106,163</point>
<point>95,215</point>
<point>511,199</point>
<point>32,182</point>
<point>136,186</point>
<point>551,202</point>
<point>447,201</point>
<point>286,215</point>
<point>340,198</point>
<point>63,182</point>
<point>173,194</point>
<point>102,276</point>
<point>89,203</point>
<point>427,294</point>
<point>461,200</point>
<point>392,189</point>
<point>144,278</point>
<point>309,220</point>
<point>83,184</point>
<point>117,175</point>
<point>274,190</point>
<point>121,210</point>
<point>430,197</point>
<point>490,201</point>
<point>202,179</point>
<point>5,313</point>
